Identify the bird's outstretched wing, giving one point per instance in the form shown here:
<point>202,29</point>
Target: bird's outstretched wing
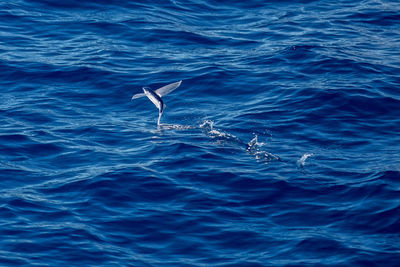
<point>167,89</point>
<point>138,95</point>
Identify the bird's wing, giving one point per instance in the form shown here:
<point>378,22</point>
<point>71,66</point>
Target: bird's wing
<point>167,89</point>
<point>138,95</point>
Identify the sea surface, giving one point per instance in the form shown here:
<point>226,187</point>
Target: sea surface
<point>281,147</point>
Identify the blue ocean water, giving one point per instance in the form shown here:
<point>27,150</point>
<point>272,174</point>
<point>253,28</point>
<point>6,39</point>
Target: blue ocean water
<point>280,147</point>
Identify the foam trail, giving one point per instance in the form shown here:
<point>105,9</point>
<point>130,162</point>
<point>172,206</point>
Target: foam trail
<point>164,126</point>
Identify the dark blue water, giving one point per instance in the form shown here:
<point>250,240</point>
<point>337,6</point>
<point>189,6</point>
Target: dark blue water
<point>280,148</point>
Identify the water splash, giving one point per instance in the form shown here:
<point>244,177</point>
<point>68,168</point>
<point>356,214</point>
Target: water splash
<point>254,147</point>
<point>254,144</point>
<point>302,161</point>
<point>208,126</point>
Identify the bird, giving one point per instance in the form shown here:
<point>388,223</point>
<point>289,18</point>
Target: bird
<point>155,96</point>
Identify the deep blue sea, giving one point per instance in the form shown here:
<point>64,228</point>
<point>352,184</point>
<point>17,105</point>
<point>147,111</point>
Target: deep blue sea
<point>281,147</point>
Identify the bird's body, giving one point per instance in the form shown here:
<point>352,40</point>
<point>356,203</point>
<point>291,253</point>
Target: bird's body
<point>155,96</point>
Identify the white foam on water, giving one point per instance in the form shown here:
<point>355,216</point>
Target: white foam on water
<point>302,161</point>
<point>208,126</point>
<point>163,126</point>
<point>254,147</point>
